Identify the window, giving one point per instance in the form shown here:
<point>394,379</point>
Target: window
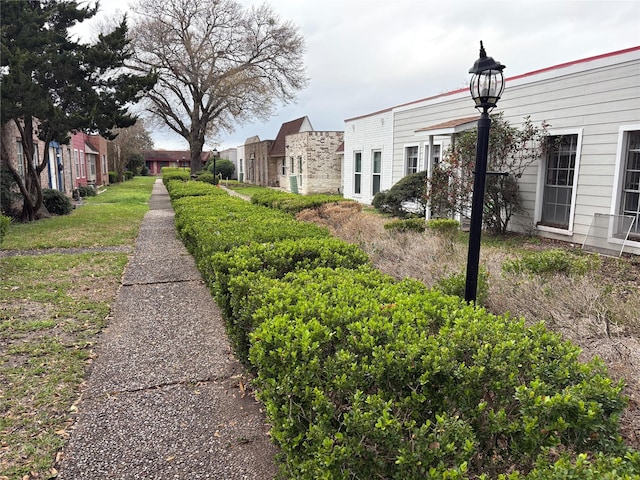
<point>559,181</point>
<point>630,200</point>
<point>104,164</point>
<point>20,158</point>
<point>299,171</point>
<point>92,165</point>
<point>435,156</point>
<point>293,165</point>
<point>83,167</point>
<point>377,171</point>
<point>411,160</point>
<point>357,173</point>
<point>284,167</point>
<point>76,161</point>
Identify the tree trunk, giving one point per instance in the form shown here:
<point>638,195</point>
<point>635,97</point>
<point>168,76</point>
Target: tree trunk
<point>196,143</point>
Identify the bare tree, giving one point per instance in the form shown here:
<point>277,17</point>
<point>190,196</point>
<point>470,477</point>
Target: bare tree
<point>129,141</point>
<point>218,64</point>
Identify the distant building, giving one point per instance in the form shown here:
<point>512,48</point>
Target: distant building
<point>156,159</point>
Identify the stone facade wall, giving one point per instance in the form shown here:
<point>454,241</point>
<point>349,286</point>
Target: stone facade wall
<point>260,169</point>
<point>313,159</point>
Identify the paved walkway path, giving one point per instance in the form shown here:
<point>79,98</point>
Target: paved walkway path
<point>165,398</point>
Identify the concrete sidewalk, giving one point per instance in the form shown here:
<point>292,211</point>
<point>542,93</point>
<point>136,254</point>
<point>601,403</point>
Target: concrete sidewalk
<point>164,397</point>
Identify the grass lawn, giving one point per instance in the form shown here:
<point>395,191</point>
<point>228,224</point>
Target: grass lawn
<point>109,219</point>
<point>52,308</point>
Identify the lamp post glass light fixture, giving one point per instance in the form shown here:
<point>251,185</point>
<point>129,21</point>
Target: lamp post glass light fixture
<point>486,87</point>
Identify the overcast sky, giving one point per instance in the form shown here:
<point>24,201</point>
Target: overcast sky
<point>367,55</point>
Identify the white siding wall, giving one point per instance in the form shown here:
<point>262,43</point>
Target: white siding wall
<point>374,132</point>
<point>594,98</point>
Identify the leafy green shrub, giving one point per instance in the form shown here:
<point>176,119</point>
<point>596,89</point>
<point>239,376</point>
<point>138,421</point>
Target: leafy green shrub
<point>128,175</point>
<point>550,262</point>
<point>87,191</point>
<point>206,177</point>
<point>4,226</point>
<point>56,202</point>
<point>444,226</point>
<point>292,202</point>
<point>405,198</point>
<point>173,173</point>
<point>215,223</point>
<point>178,188</point>
<point>367,378</point>
<point>455,284</point>
<point>224,168</point>
<point>272,260</point>
<point>407,225</point>
<point>113,177</point>
<point>363,376</point>
<point>583,467</point>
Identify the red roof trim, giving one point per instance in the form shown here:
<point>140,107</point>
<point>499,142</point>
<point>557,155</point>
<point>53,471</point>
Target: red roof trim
<point>517,77</point>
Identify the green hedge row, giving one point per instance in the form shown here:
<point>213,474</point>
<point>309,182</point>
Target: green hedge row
<point>219,222</point>
<point>248,266</point>
<point>291,202</point>
<point>173,173</point>
<point>179,188</point>
<point>363,376</point>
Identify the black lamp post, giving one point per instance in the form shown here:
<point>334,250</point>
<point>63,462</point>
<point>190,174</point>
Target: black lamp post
<point>487,85</point>
<point>215,156</point>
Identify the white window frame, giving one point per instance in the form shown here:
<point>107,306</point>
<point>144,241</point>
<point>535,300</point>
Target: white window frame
<point>375,174</point>
<point>406,158</point>
<point>542,171</point>
<point>618,179</point>
<point>76,160</point>
<point>283,169</point>
<point>83,165</point>
<point>357,173</point>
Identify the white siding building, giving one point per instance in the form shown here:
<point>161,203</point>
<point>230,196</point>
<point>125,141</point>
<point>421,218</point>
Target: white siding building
<point>593,103</point>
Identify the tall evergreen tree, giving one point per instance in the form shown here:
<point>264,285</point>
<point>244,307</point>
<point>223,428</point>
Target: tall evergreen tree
<point>52,85</point>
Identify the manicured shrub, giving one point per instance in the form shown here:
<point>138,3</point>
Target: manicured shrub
<point>113,177</point>
<point>444,226</point>
<point>357,372</point>
<point>550,262</point>
<point>292,202</point>
<point>275,259</point>
<point>407,225</point>
<point>217,223</point>
<point>187,188</point>
<point>206,177</point>
<point>271,260</point>
<point>56,202</point>
<point>4,226</point>
<point>173,173</point>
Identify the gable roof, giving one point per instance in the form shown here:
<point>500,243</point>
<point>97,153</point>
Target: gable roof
<point>254,139</point>
<point>287,128</point>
